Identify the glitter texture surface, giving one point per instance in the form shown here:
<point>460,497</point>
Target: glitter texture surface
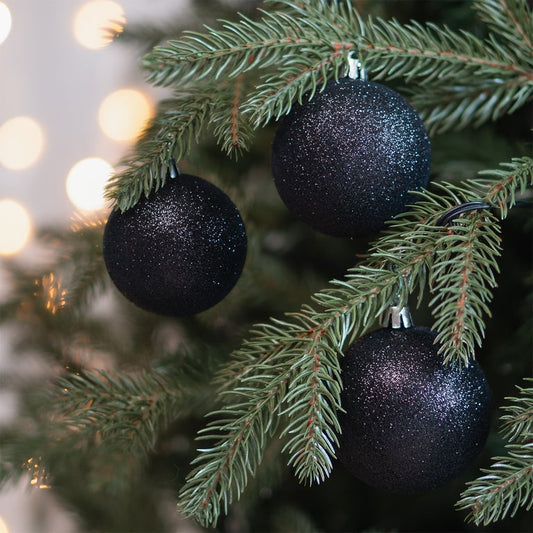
<point>178,252</point>
<point>411,423</point>
<point>345,161</point>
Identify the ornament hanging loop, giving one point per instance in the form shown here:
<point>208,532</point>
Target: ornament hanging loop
<point>447,219</point>
<point>356,71</point>
<point>397,317</point>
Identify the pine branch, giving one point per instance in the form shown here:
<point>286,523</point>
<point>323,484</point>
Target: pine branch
<point>518,420</point>
<point>177,123</point>
<point>74,274</point>
<point>235,49</point>
<point>231,127</point>
<point>106,417</point>
<point>288,372</point>
<point>78,286</point>
<point>312,402</point>
<point>462,287</point>
<point>427,52</point>
<point>254,389</point>
<point>501,186</point>
<point>462,274</point>
<point>445,106</point>
<point>298,77</point>
<point>305,73</point>
<point>498,13</point>
<point>46,307</point>
<point>390,50</point>
<point>457,79</point>
<point>240,439</point>
<point>301,46</point>
<point>508,483</point>
<point>117,408</point>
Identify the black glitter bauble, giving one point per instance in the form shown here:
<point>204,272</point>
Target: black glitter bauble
<point>179,251</point>
<point>345,161</point>
<point>412,423</point>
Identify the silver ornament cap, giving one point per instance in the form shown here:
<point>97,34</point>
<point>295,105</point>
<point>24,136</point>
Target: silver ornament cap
<point>397,317</point>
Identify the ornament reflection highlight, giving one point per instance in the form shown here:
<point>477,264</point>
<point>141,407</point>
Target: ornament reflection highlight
<point>86,183</point>
<point>96,23</point>
<point>16,218</point>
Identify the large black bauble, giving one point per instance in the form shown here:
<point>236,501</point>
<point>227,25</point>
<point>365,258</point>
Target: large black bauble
<point>345,161</point>
<point>179,251</point>
<point>412,423</point>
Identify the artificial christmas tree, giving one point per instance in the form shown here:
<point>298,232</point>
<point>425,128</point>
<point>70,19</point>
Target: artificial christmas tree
<point>129,429</point>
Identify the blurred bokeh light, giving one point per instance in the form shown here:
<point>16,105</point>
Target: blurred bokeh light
<point>86,183</point>
<point>97,21</point>
<point>5,28</point>
<point>17,228</point>
<point>21,143</point>
<point>123,114</point>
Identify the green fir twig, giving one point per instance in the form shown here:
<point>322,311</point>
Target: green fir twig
<point>177,124</point>
<point>102,414</point>
<point>511,20</point>
<point>117,408</point>
<point>288,372</point>
<point>465,264</point>
<point>257,69</point>
<point>507,485</point>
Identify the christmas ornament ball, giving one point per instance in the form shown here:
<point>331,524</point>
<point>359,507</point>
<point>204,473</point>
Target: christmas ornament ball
<point>345,161</point>
<point>412,424</point>
<point>179,251</point>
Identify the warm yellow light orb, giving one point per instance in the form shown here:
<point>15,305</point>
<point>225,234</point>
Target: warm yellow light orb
<point>16,227</point>
<point>21,143</point>
<point>5,28</point>
<point>86,182</point>
<point>123,114</point>
<point>97,21</point>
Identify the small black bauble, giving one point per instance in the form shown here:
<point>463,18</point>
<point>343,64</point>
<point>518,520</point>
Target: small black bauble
<point>179,251</point>
<point>345,161</point>
<point>412,424</point>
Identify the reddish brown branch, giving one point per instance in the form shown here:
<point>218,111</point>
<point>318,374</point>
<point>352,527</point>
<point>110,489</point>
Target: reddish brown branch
<point>235,111</point>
